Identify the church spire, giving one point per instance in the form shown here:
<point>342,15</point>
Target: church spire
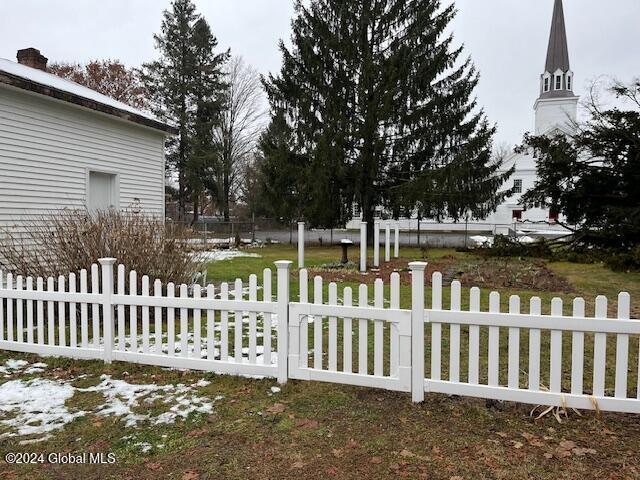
<point>558,52</point>
<point>557,80</point>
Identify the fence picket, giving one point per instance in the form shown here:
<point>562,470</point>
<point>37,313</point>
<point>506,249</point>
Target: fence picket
<point>10,309</point>
<point>253,325</point>
<point>555,374</point>
<point>237,323</point>
<point>133,312</point>
<point>347,352</point>
<point>514,346</point>
<point>157,318</point>
<point>19,311</point>
<point>121,311</point>
<point>577,351</point>
<point>84,312</point>
<point>61,314</point>
<point>73,321</point>
<point>304,324</point>
<point>436,328</point>
<point>317,324</point>
<point>333,329</point>
<point>224,324</point>
<point>184,324</point>
<point>95,307</point>
<point>40,312</point>
<point>51,329</point>
<point>171,322</point>
<point>29,288</point>
<point>494,342</point>
<point>363,353</point>
<point>535,308</point>
<point>145,316</point>
<point>1,307</point>
<point>600,350</point>
<point>622,347</point>
<point>394,347</point>
<point>197,324</point>
<point>378,329</point>
<point>267,322</point>
<point>454,334</point>
<point>474,338</point>
<point>211,327</point>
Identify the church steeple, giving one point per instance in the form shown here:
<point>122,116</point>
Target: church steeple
<point>557,106</point>
<point>557,80</point>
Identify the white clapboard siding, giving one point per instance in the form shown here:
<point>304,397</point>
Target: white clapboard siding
<point>47,148</point>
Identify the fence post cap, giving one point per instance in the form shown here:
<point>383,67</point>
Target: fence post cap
<point>283,264</point>
<point>107,261</point>
<point>362,222</point>
<point>418,265</point>
<point>300,223</point>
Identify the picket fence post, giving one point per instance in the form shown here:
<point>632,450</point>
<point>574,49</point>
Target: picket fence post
<point>283,275</point>
<point>376,243</point>
<point>417,330</point>
<point>107,307</point>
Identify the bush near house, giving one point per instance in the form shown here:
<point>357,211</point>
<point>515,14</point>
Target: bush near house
<point>71,240</point>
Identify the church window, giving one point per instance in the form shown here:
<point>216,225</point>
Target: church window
<point>517,215</point>
<point>546,84</point>
<point>558,82</point>
<point>517,185</point>
<point>569,83</point>
<point>356,210</point>
<point>553,215</point>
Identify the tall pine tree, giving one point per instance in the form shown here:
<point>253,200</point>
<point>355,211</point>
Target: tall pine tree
<point>186,87</point>
<point>382,106</point>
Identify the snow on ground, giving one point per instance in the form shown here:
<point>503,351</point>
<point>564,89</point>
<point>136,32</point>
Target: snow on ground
<point>39,406</point>
<point>221,255</point>
<point>12,366</point>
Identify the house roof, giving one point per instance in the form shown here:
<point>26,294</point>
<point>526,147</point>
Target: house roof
<point>43,83</point>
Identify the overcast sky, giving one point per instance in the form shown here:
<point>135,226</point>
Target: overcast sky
<point>507,40</point>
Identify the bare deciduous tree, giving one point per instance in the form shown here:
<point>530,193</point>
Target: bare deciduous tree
<point>237,134</point>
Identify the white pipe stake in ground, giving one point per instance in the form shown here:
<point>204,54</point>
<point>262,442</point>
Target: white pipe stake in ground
<point>376,243</point>
<point>300,244</point>
<point>387,242</point>
<point>363,247</point>
<point>396,243</point>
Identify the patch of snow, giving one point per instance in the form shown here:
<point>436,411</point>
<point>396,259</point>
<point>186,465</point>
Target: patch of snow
<point>36,406</point>
<point>481,240</point>
<point>526,240</point>
<point>221,255</point>
<point>275,390</point>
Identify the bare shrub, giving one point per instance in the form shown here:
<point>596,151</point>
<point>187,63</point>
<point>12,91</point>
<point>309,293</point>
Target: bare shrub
<point>70,240</point>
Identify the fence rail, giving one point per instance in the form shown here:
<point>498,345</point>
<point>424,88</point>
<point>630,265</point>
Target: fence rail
<point>557,359</point>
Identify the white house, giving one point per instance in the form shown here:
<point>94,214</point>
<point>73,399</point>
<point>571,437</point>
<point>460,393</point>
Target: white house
<point>63,145</point>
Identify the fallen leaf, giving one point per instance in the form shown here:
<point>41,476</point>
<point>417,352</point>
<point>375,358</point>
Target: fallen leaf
<point>332,471</point>
<point>517,445</point>
<point>275,408</point>
<point>306,423</point>
<point>352,444</point>
<point>153,466</point>
<point>191,475</point>
<point>502,434</point>
<point>337,452</point>
<point>297,465</point>
<point>376,460</point>
<point>568,444</point>
<point>407,453</point>
<point>548,455</point>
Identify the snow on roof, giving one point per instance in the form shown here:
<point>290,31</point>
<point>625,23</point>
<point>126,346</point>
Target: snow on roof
<point>52,81</point>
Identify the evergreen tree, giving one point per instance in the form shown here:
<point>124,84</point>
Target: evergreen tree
<point>186,89</point>
<point>383,108</point>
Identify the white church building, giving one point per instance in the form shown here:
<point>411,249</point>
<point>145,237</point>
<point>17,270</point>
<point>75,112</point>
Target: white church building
<point>555,111</point>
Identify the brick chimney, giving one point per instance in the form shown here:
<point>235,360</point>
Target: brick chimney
<point>32,57</point>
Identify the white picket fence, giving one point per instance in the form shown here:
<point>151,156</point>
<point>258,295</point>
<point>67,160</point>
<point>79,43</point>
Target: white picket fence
<point>111,314</point>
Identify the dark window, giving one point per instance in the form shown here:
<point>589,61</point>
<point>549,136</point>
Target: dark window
<point>546,84</point>
<point>517,185</point>
<point>553,215</point>
<point>517,214</point>
<point>568,83</point>
<point>558,82</point>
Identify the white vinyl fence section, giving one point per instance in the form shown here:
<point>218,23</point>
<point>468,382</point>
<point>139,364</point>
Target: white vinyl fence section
<point>545,354</point>
<point>347,356</point>
<point>337,335</point>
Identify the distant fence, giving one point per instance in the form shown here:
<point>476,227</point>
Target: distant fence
<point>554,359</point>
